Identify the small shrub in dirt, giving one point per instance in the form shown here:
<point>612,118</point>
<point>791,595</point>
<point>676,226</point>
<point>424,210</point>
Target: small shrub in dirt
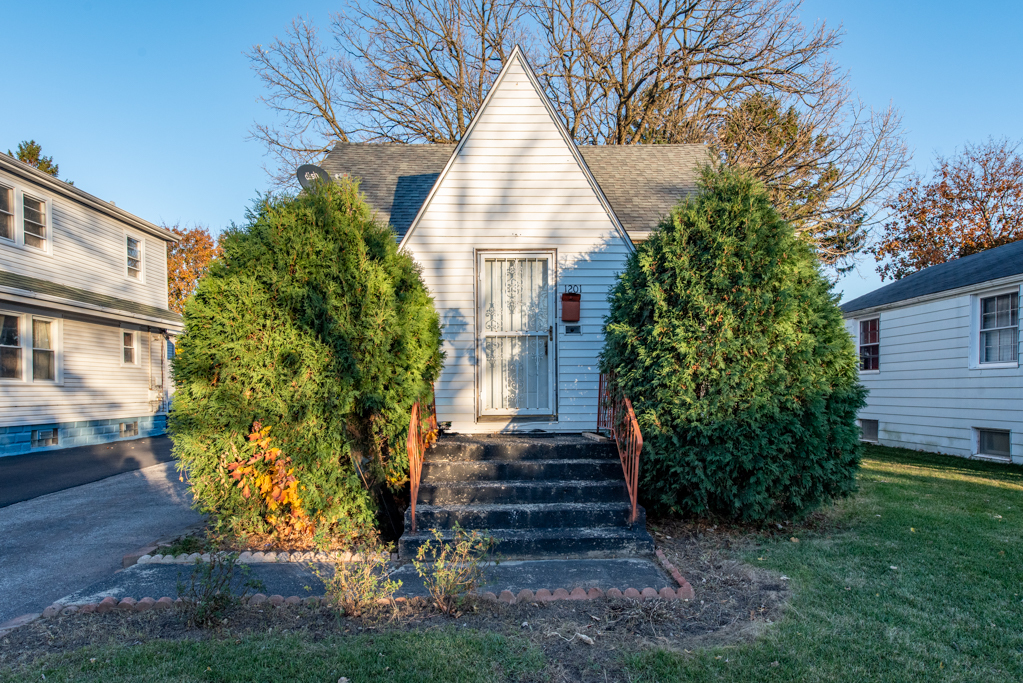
<point>210,590</point>
<point>454,570</point>
<point>364,581</point>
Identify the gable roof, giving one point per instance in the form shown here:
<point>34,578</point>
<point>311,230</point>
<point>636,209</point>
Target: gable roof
<point>993,264</point>
<point>641,182</point>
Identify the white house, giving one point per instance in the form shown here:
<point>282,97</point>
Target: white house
<point>939,352</point>
<point>506,225</point>
<point>83,317</point>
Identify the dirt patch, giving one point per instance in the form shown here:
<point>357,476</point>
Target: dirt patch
<point>734,602</point>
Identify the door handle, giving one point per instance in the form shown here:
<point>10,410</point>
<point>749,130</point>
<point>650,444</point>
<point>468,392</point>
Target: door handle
<point>550,332</point>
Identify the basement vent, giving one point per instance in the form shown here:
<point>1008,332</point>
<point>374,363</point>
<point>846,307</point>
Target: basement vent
<point>868,430</point>
<point>129,429</point>
<point>44,437</point>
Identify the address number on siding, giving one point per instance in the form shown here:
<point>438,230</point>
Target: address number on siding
<point>573,289</point>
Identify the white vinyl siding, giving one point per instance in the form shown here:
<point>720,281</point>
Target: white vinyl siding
<point>516,186</point>
<point>932,393</point>
<point>83,248</point>
<point>95,383</point>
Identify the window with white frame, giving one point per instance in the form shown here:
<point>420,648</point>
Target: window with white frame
<point>995,443</point>
<point>7,212</point>
<point>34,221</point>
<point>870,344</point>
<point>134,255</point>
<point>10,346</point>
<point>129,341</point>
<point>999,328</point>
<point>44,350</point>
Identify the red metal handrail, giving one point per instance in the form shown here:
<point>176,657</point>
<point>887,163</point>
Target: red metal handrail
<point>416,446</point>
<point>616,417</point>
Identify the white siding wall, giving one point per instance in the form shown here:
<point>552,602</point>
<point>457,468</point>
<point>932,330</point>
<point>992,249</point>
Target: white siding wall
<point>88,252</point>
<point>96,386</point>
<point>516,185</point>
<point>930,394</point>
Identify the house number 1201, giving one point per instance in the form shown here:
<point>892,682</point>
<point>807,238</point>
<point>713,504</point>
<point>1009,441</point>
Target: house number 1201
<point>573,289</point>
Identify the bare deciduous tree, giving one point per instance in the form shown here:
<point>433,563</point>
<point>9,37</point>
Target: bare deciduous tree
<point>720,72</point>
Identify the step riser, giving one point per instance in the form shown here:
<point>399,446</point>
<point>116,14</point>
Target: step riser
<point>564,547</point>
<point>524,493</point>
<point>542,470</point>
<point>516,452</point>
<point>521,517</point>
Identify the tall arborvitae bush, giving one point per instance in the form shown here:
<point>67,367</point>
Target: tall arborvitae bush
<point>306,345</point>
<point>728,340</point>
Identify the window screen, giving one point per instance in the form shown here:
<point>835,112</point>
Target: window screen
<point>868,430</point>
<point>994,442</point>
<point>129,347</point>
<point>35,222</point>
<point>134,258</point>
<point>6,213</point>
<point>10,347</point>
<point>43,350</point>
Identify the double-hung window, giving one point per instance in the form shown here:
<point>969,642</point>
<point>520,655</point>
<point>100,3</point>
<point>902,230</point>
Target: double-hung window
<point>133,247</point>
<point>44,350</point>
<point>870,344</point>
<point>7,213</point>
<point>128,340</point>
<point>999,328</point>
<point>10,346</point>
<point>34,221</point>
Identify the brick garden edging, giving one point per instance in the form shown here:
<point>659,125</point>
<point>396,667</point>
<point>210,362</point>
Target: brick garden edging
<point>259,557</point>
<point>685,590</point>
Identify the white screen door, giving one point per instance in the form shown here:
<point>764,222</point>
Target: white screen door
<point>516,310</point>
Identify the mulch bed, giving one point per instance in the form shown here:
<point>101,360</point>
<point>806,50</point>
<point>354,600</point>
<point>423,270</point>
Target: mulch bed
<point>734,602</point>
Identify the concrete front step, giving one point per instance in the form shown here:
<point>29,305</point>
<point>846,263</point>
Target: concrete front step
<point>525,516</point>
<point>516,448</point>
<point>522,491</point>
<point>436,471</point>
<point>526,543</point>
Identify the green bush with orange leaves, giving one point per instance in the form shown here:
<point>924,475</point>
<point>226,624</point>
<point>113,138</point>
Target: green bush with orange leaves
<point>305,347</point>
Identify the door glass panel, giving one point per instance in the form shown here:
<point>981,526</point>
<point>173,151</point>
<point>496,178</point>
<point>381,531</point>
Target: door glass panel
<point>516,330</point>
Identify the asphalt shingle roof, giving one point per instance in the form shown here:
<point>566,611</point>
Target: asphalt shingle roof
<point>641,182</point>
<point>73,294</point>
<point>992,264</point>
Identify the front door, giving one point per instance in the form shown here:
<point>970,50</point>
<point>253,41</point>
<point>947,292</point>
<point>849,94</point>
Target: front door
<point>516,333</point>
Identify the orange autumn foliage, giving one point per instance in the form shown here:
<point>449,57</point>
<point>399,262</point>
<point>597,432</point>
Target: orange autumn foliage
<point>973,202</point>
<point>262,470</point>
<point>187,261</point>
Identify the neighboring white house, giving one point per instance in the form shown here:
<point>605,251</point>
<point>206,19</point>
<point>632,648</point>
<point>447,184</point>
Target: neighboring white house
<point>505,224</point>
<point>83,317</point>
<point>939,352</point>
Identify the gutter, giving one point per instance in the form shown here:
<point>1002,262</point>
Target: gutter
<point>934,296</point>
<point>33,298</point>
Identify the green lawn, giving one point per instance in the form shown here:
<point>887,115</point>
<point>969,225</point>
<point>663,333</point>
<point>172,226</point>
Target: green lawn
<point>921,580</point>
<point>919,577</point>
<point>399,657</point>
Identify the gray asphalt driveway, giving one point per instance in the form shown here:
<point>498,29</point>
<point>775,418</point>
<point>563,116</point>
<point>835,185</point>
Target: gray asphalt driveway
<point>58,543</point>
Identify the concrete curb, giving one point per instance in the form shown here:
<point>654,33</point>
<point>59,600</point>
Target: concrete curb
<point>249,557</point>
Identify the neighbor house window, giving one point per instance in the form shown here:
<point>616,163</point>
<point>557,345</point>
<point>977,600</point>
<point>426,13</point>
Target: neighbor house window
<point>128,344</point>
<point>134,248</point>
<point>870,344</point>
<point>999,328</point>
<point>44,437</point>
<point>868,430</point>
<point>44,351</point>
<point>129,428</point>
<point>6,212</point>
<point>993,442</point>
<point>10,346</point>
<point>35,222</point>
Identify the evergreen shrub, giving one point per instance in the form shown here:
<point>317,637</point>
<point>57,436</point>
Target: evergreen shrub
<point>305,347</point>
<point>728,340</point>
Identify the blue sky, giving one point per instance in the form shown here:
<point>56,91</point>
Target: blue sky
<point>149,104</point>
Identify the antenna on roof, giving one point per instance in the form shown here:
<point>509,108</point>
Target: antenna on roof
<point>309,173</point>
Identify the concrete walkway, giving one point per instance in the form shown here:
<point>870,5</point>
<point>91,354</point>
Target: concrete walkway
<point>58,543</point>
<point>159,580</point>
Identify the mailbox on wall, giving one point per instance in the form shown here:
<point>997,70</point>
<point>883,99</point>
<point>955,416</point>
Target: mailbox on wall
<point>570,307</point>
